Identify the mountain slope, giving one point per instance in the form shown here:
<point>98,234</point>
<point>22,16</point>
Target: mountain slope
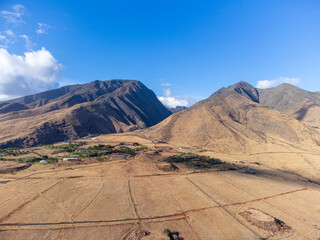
<point>233,120</point>
<point>75,111</point>
<point>177,109</point>
<point>295,102</point>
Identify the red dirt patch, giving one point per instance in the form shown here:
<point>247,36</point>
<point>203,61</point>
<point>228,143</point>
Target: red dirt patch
<point>163,166</point>
<point>264,221</point>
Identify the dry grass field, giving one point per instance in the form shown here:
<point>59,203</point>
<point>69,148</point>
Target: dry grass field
<point>134,199</point>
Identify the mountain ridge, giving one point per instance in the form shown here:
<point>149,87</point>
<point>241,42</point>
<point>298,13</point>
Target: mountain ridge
<point>78,110</point>
<point>233,120</point>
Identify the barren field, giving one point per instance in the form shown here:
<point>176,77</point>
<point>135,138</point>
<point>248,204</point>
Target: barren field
<point>135,199</point>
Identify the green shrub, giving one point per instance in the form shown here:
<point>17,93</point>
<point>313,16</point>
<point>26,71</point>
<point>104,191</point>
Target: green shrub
<point>12,152</point>
<point>167,232</point>
<point>103,150</point>
<point>100,147</point>
<point>142,147</point>
<point>194,161</point>
<point>102,159</point>
<point>34,159</point>
<point>68,147</point>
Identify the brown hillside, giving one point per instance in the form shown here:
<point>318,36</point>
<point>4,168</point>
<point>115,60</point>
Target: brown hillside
<point>295,102</point>
<point>233,120</point>
<point>75,111</point>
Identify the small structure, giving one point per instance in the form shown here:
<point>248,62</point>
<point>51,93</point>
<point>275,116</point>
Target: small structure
<point>241,162</point>
<point>184,148</point>
<point>70,159</point>
<point>43,161</point>
<point>82,150</point>
<point>94,139</point>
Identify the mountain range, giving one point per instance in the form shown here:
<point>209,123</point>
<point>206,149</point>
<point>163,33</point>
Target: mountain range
<point>239,118</point>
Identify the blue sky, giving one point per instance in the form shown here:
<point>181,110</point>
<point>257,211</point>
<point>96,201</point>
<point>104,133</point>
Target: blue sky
<point>182,50</point>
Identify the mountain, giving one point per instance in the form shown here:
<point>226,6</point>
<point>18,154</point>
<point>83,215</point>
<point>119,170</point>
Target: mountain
<point>293,101</point>
<point>78,110</point>
<point>177,109</point>
<point>233,120</point>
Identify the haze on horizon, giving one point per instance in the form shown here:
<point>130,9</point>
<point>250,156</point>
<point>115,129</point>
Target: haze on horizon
<point>182,50</point>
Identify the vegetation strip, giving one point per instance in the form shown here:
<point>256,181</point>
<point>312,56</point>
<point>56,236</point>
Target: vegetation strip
<point>195,161</point>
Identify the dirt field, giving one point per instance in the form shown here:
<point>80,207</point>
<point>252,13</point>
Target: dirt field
<point>133,199</point>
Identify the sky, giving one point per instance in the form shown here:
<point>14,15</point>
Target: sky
<point>181,49</point>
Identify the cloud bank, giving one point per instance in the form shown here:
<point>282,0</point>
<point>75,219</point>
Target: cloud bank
<point>172,101</point>
<point>33,72</point>
<point>272,83</point>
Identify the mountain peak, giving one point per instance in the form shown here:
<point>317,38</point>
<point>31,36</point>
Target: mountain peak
<point>287,85</point>
<point>75,111</point>
<point>242,88</point>
<point>242,84</point>
<point>247,90</point>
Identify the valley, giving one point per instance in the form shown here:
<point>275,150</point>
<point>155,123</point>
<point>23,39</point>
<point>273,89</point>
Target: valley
<point>106,160</point>
<point>134,197</point>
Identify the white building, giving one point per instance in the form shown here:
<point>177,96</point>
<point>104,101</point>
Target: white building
<point>70,159</point>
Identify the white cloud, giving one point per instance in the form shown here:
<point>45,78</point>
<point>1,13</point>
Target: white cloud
<point>28,43</point>
<point>4,41</point>
<point>6,38</point>
<point>43,28</point>
<point>275,82</point>
<point>35,71</point>
<point>167,93</point>
<point>166,84</point>
<point>15,16</point>
<point>172,101</point>
<point>266,83</point>
<point>10,33</point>
<point>4,97</point>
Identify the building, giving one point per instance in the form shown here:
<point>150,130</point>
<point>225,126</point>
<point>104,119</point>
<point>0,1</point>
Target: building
<point>70,159</point>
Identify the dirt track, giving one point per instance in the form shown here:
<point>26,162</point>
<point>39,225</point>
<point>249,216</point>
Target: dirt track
<point>117,200</point>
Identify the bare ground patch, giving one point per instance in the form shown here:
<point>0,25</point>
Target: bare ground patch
<point>265,221</point>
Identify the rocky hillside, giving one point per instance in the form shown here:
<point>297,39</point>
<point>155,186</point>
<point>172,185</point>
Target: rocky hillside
<point>76,111</point>
<point>295,102</point>
<point>233,120</point>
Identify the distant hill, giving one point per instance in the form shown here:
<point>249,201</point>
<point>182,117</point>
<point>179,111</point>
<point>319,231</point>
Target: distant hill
<point>293,101</point>
<point>75,111</point>
<point>233,120</point>
<point>177,109</point>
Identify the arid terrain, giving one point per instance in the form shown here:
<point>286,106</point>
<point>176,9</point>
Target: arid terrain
<point>160,120</point>
<point>75,111</point>
<point>144,197</point>
<point>242,164</point>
